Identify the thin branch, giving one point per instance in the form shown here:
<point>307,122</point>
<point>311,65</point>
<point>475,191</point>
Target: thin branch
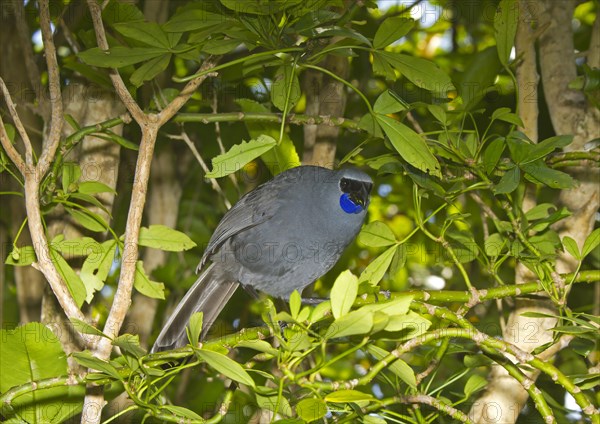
<point>120,87</point>
<point>213,182</point>
<point>33,72</point>
<point>10,150</point>
<point>15,156</point>
<point>297,119</point>
<point>438,404</point>
<point>54,83</point>
<point>190,88</point>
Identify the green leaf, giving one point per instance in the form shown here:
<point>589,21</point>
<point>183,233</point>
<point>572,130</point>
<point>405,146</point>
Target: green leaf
<point>355,322</point>
<point>591,242</point>
<point>285,87</point>
<point>149,33</point>
<point>539,173</point>
<point>480,74</point>
<point>348,396</point>
<point>284,155</point>
<point>85,328</point>
<point>343,293</point>
<point>116,12</point>
<point>439,113</point>
<point>375,271</point>
<point>150,69</point>
<point>410,145</point>
<point>474,384</point>
<point>94,187</point>
<point>31,353</point>
<point>73,281</point>
<point>70,175</point>
<point>382,67</point>
<point>539,211</point>
<point>194,19</point>
<point>398,261</point>
<point>311,409</point>
<point>219,46</point>
<point>397,306</point>
<point>96,267</point>
<point>411,324</point>
<point>226,366</point>
<point>504,114</point>
<point>509,181</point>
<point>180,411</point>
<point>492,154</point>
<point>398,367</point>
<point>195,327</point>
<point>164,238</point>
<point>545,147</point>
<point>116,138</point>
<point>392,29</point>
<point>571,245</point>
<point>494,245</point>
<point>21,256</point>
<point>87,360</point>
<point>376,234</point>
<point>295,303</point>
<point>389,102</point>
<point>421,72</point>
<point>239,155</point>
<point>129,343</point>
<point>89,220</point>
<point>119,56</point>
<point>505,28</point>
<point>145,286</point>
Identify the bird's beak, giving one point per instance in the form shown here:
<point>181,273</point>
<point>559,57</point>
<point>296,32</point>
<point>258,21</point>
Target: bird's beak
<point>361,196</point>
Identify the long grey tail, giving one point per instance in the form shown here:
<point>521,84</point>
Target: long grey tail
<point>209,294</point>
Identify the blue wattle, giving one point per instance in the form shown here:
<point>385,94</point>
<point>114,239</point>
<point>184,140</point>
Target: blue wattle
<point>348,205</point>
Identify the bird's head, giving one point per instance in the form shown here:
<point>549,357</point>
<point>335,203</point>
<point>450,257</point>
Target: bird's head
<point>355,187</point>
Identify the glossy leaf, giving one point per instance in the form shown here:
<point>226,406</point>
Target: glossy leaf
<point>150,69</point>
<point>376,234</point>
<point>505,28</point>
<point>311,409</point>
<point>119,56</point>
<point>145,286</point>
<point>226,366</point>
<point>343,293</point>
<point>70,277</point>
<point>389,102</point>
<point>164,238</point>
<point>355,322</point>
<point>239,155</point>
<point>31,353</point>
<point>375,271</point>
<point>149,33</point>
<point>391,30</point>
<point>348,396</point>
<point>591,242</point>
<point>398,367</point>
<point>509,181</point>
<point>285,89</point>
<point>410,145</point>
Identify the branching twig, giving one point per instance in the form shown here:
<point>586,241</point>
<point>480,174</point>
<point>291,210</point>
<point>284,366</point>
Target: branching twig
<point>124,94</point>
<point>31,67</point>
<point>13,154</point>
<point>54,87</point>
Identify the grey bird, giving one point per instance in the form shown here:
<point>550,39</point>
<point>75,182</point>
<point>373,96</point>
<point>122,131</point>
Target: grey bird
<point>278,238</point>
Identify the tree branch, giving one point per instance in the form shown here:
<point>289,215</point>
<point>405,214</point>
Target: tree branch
<point>31,67</point>
<point>190,88</point>
<point>124,94</point>
<point>12,152</point>
<point>54,87</point>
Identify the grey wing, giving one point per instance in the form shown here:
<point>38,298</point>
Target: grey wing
<point>252,209</point>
